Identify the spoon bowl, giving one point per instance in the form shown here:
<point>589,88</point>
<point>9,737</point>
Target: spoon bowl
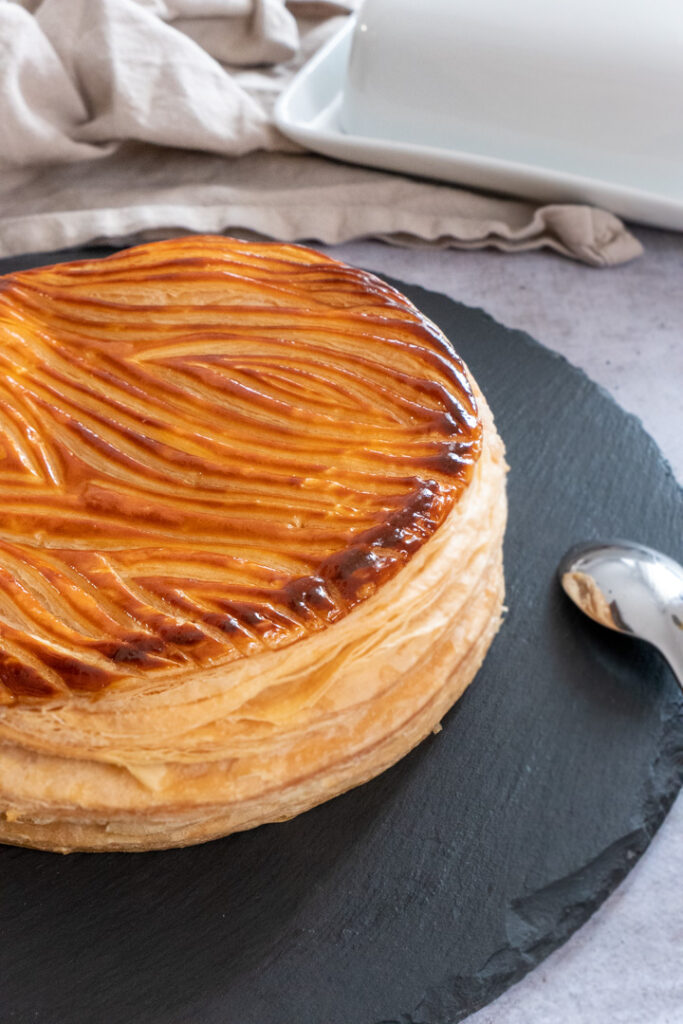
<point>630,588</point>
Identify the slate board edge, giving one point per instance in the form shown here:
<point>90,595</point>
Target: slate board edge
<point>460,996</point>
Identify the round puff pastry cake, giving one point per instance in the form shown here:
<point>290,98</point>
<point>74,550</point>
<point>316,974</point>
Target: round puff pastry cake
<point>251,518</point>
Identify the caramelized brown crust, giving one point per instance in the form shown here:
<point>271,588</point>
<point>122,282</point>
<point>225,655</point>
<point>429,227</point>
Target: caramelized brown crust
<point>207,449</point>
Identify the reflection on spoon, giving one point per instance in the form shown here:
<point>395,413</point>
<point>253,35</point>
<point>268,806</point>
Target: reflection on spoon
<point>630,588</point>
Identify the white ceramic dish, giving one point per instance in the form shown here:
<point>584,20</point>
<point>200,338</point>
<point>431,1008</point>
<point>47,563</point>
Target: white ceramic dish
<point>321,99</point>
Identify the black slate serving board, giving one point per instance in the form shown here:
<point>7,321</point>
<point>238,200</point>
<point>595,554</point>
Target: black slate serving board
<point>422,895</point>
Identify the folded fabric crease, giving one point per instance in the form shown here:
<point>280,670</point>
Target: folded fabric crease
<point>130,118</point>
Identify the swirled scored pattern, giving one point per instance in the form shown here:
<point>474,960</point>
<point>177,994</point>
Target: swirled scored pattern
<point>208,448</point>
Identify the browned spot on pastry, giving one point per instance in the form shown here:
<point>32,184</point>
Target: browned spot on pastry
<point>22,680</point>
<point>308,594</point>
<point>79,675</point>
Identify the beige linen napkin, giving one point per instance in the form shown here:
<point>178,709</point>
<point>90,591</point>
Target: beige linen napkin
<point>122,119</point>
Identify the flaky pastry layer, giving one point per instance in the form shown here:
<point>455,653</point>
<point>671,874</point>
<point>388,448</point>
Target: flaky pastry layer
<point>251,518</point>
<point>225,752</point>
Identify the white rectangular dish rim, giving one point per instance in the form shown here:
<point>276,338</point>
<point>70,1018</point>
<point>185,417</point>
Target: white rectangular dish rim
<point>308,113</point>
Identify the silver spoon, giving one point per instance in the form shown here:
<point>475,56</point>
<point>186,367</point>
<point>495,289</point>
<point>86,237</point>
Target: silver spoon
<point>632,589</point>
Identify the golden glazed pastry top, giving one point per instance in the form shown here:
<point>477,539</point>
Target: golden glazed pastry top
<point>207,449</point>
